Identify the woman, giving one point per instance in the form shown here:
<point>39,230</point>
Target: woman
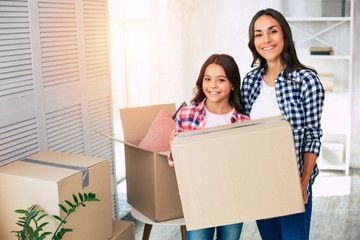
<point>280,84</point>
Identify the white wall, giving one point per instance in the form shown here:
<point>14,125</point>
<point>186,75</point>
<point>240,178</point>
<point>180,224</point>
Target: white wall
<point>355,116</point>
<point>214,26</point>
<point>186,32</point>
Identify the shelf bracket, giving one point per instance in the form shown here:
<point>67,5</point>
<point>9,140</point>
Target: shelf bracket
<point>315,36</point>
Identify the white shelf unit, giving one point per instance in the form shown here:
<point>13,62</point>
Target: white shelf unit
<point>336,32</point>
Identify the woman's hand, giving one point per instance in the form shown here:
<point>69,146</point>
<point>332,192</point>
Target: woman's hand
<point>304,192</point>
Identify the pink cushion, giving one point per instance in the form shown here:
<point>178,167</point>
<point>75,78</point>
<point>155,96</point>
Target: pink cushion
<point>158,134</point>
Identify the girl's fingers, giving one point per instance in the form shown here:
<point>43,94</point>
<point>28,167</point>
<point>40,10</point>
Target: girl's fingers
<point>174,133</point>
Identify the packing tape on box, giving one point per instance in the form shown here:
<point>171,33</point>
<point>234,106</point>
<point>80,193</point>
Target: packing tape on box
<point>223,129</point>
<point>84,170</point>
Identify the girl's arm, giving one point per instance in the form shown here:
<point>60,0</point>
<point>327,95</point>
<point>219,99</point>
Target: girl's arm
<point>178,128</point>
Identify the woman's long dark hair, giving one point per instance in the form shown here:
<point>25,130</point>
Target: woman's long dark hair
<point>288,55</point>
<point>232,73</point>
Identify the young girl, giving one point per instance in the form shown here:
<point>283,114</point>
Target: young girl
<point>282,85</point>
<point>217,102</point>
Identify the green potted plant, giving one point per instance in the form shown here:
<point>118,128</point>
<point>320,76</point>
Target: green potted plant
<point>32,229</point>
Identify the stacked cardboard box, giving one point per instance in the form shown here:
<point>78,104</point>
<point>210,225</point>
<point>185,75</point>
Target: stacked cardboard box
<point>123,230</point>
<point>48,179</point>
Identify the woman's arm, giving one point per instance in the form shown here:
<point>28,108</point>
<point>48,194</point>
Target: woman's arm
<point>314,95</point>
<point>309,163</point>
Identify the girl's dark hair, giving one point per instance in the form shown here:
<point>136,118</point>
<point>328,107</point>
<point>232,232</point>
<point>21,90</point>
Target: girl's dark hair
<point>288,55</point>
<point>232,73</point>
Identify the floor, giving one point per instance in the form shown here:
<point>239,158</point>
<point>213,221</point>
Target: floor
<point>336,211</point>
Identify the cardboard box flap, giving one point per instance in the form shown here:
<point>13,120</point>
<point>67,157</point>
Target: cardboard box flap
<point>223,128</point>
<point>22,169</point>
<point>136,121</point>
<point>132,145</point>
<point>65,161</point>
<point>121,141</point>
<point>166,154</point>
<point>66,158</point>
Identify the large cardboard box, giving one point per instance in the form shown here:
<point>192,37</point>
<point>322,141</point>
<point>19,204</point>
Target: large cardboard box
<point>47,182</point>
<point>123,230</point>
<point>151,183</point>
<point>237,172</point>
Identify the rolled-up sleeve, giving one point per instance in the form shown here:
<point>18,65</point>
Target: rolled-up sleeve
<point>313,99</point>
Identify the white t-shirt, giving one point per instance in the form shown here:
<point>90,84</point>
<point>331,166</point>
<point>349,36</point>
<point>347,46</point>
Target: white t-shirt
<point>213,120</point>
<point>266,104</point>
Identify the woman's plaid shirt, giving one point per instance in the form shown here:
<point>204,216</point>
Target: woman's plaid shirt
<point>194,117</point>
<point>300,101</point>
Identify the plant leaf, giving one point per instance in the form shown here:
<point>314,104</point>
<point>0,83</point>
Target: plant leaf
<point>45,233</point>
<point>75,199</point>
<point>42,216</point>
<point>63,208</point>
<point>85,196</point>
<point>71,210</point>
<point>57,217</point>
<point>43,224</point>
<point>81,197</point>
<point>93,200</point>
<point>21,211</point>
<point>70,204</point>
<point>32,215</point>
<point>32,208</point>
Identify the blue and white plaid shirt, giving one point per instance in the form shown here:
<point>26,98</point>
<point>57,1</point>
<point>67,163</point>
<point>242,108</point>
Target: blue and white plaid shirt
<point>300,101</point>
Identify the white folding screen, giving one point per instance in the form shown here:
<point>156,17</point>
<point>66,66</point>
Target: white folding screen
<point>55,86</point>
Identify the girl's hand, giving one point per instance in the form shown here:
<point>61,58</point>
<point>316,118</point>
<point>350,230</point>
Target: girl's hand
<point>173,134</point>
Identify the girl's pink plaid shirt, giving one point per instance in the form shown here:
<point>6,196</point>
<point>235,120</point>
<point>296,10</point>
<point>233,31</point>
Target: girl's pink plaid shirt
<point>194,117</point>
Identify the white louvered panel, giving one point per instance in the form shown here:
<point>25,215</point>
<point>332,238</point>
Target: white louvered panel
<point>13,3</point>
<point>64,130</point>
<point>15,53</point>
<point>100,120</point>
<point>11,29</point>
<point>16,35</point>
<point>57,1</point>
<point>96,40</point>
<point>13,65</point>
<point>18,141</point>
<point>13,8</point>
<point>58,36</point>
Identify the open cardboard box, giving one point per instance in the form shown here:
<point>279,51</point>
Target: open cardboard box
<point>237,172</point>
<point>151,183</point>
<point>26,183</point>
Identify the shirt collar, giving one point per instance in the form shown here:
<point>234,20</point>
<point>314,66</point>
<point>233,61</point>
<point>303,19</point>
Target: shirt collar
<point>201,107</point>
<point>280,77</point>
